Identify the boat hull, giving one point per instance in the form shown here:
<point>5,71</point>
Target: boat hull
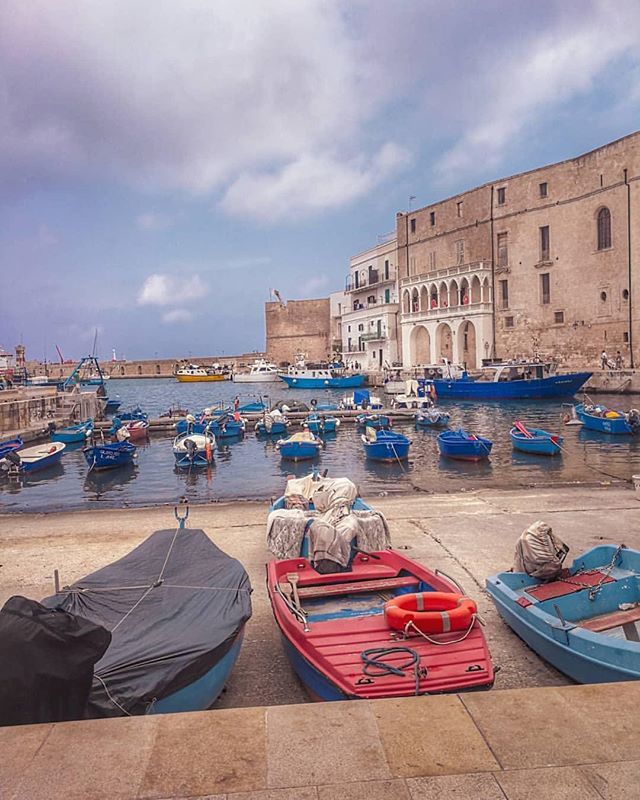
<point>540,444</point>
<point>387,451</point>
<point>441,421</point>
<point>109,456</point>
<point>618,426</point>
<point>464,449</point>
<point>246,378</point>
<point>35,463</point>
<point>199,378</point>
<point>299,451</point>
<point>553,386</point>
<point>342,382</point>
<point>77,433</point>
<point>111,406</point>
<point>277,429</point>
<point>10,446</point>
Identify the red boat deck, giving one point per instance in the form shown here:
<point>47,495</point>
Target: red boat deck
<point>573,583</point>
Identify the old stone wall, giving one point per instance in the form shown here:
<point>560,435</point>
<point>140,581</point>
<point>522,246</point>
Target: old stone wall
<point>300,326</point>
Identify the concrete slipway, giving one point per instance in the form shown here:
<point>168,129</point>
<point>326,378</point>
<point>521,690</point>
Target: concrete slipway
<point>264,742</point>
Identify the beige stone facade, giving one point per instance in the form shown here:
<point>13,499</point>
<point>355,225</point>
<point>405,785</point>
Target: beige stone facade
<point>545,262</point>
<point>298,327</point>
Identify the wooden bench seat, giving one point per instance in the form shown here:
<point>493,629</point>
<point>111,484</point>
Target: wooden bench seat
<point>616,619</point>
<point>356,587</point>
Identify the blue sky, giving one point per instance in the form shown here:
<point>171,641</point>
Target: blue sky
<point>164,164</point>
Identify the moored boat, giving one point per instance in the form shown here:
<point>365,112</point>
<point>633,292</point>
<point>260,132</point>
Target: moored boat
<point>385,445</point>
<point>194,449</point>
<point>598,417</point>
<point>109,456</point>
<point>361,400</point>
<point>138,429</point>
<point>10,445</point>
<point>272,424</point>
<point>376,421</point>
<point>464,446</point>
<point>135,413</point>
<point>33,459</point>
<point>299,447</point>
<point>432,418</point>
<point>111,405</point>
<point>261,372</point>
<point>321,423</point>
<point>535,440</point>
<point>320,376</point>
<point>72,434</point>
<point>193,373</point>
<point>585,621</point>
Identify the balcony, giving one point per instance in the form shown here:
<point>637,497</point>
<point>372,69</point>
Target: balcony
<point>448,272</point>
<point>376,308</point>
<point>375,279</point>
<point>376,336</point>
<point>444,314</point>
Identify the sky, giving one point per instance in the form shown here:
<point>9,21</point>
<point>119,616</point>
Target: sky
<point>165,164</point>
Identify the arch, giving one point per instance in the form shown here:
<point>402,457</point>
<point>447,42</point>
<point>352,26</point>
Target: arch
<point>433,296</point>
<point>420,346</point>
<point>444,341</point>
<point>157,369</point>
<point>443,293</point>
<point>122,370</point>
<point>424,299</point>
<point>476,290</point>
<point>139,370</point>
<point>464,292</point>
<point>604,228</point>
<point>415,301</point>
<point>406,301</point>
<point>454,294</point>
<point>486,291</point>
<point>467,345</point>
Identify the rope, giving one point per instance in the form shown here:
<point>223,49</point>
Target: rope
<point>375,667</point>
<point>113,700</point>
<point>411,624</point>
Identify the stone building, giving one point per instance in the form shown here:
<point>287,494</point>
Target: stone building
<point>370,315</point>
<point>545,262</point>
<point>298,327</point>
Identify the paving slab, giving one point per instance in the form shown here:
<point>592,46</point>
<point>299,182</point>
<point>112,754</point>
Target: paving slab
<point>366,790</point>
<point>323,743</point>
<point>481,786</point>
<point>209,752</point>
<point>299,793</point>
<point>18,748</point>
<point>431,736</point>
<point>564,783</point>
<point>616,781</point>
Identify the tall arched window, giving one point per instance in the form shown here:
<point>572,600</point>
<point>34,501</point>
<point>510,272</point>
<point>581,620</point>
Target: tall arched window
<point>604,229</point>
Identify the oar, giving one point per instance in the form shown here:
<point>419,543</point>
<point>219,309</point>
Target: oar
<point>520,427</point>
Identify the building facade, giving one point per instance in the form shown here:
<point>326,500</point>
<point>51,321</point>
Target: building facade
<point>544,263</point>
<point>298,327</point>
<point>369,321</point>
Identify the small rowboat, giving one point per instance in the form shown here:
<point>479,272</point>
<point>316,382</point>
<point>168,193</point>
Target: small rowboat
<point>109,456</point>
<point>272,427</point>
<point>337,632</point>
<point>111,406</point>
<point>535,440</point>
<point>299,447</point>
<point>194,449</point>
<point>72,434</point>
<point>33,459</point>
<point>432,418</point>
<point>464,446</point>
<point>319,423</point>
<point>136,413</point>
<point>585,622</point>
<point>10,446</point>
<point>376,421</point>
<point>138,429</point>
<point>384,445</point>
<point>597,417</point>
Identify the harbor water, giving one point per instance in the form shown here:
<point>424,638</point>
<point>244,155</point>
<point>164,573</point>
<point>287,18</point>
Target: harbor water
<point>251,467</point>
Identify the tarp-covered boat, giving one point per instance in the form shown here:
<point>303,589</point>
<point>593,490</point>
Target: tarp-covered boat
<point>176,607</point>
<point>299,447</point>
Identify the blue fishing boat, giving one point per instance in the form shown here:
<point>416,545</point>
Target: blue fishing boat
<point>272,425</point>
<point>320,423</point>
<point>464,446</point>
<point>34,459</point>
<point>385,445</point>
<point>194,449</point>
<point>10,446</point>
<point>361,400</point>
<point>585,622</point>
<point>135,414</point>
<point>432,418</point>
<point>72,434</point>
<point>254,407</point>
<point>109,456</point>
<point>376,421</point>
<point>515,381</point>
<point>535,440</point>
<point>597,417</point>
<point>110,405</point>
<point>299,447</point>
<point>173,643</point>
<point>222,428</point>
<point>321,376</point>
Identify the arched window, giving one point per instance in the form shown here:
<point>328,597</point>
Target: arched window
<point>604,229</point>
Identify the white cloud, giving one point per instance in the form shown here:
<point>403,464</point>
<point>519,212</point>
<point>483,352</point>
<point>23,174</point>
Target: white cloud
<point>177,315</point>
<point>152,221</point>
<point>170,290</point>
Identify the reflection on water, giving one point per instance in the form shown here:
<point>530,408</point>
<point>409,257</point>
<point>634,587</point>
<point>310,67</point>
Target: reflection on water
<point>252,467</point>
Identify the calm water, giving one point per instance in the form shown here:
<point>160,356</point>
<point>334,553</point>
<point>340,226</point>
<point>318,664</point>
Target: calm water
<point>252,468</point>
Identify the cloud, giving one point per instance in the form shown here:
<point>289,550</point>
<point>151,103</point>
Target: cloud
<point>169,290</point>
<point>152,221</point>
<point>177,315</point>
<point>310,184</point>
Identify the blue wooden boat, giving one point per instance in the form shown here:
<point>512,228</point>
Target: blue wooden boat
<point>432,418</point>
<point>584,623</point>
<point>194,449</point>
<point>268,427</point>
<point>34,459</point>
<point>360,400</point>
<point>376,421</point>
<point>255,407</point>
<point>109,456</point>
<point>111,406</point>
<point>135,414</point>
<point>74,433</point>
<point>535,440</point>
<point>10,446</point>
<point>385,445</point>
<point>464,446</point>
<point>299,447</point>
<point>597,417</point>
<point>320,423</point>
<point>173,644</point>
<point>221,428</point>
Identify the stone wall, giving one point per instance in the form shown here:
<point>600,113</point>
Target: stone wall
<point>299,326</point>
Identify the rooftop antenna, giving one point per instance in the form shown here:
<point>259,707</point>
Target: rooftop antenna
<point>412,197</point>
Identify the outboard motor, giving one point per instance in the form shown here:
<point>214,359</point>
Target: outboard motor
<point>633,418</point>
<point>51,428</point>
<point>192,448</point>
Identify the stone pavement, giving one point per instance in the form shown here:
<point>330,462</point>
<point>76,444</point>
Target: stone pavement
<point>561,743</point>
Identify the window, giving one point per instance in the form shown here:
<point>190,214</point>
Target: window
<point>360,327</point>
<point>349,328</point>
<point>386,270</point>
<point>504,294</point>
<point>508,322</point>
<point>432,259</point>
<point>459,207</point>
<point>544,243</point>
<point>432,218</point>
<point>558,317</point>
<point>413,225</point>
<point>371,299</point>
<point>604,229</point>
<point>544,189</point>
<point>625,294</point>
<point>545,289</point>
<point>502,196</point>
<point>603,297</point>
<point>387,295</point>
<point>625,337</point>
<point>503,250</point>
<point>460,251</point>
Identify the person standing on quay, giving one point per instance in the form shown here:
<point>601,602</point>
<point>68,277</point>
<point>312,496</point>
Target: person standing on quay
<point>603,359</point>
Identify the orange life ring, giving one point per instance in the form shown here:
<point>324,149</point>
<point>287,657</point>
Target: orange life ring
<point>431,612</point>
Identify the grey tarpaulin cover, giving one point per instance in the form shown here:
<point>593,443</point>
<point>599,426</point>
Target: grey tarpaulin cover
<point>174,607</point>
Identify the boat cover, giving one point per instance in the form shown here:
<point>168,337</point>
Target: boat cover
<point>174,607</point>
<point>47,668</point>
<point>539,552</point>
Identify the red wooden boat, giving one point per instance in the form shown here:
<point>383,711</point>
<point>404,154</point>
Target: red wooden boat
<point>138,429</point>
<point>337,637</point>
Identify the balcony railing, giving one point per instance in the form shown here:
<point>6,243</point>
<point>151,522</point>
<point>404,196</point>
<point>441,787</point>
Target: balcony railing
<point>446,272</point>
<point>373,337</point>
<point>375,279</point>
<point>447,313</point>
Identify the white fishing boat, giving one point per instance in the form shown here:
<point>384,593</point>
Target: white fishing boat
<point>261,372</point>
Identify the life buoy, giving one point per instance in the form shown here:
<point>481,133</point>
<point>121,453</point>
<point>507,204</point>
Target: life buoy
<point>430,612</point>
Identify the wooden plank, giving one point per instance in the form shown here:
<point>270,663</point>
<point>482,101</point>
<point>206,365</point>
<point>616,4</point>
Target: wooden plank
<point>328,590</point>
<point>616,619</point>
